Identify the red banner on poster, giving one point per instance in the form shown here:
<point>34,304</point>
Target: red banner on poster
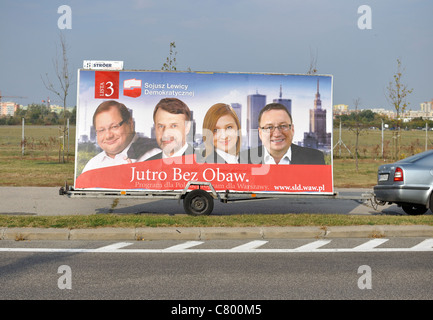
<point>157,175</point>
<point>106,85</point>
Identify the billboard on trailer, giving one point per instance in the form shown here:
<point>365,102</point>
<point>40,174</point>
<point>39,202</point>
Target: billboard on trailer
<point>243,132</point>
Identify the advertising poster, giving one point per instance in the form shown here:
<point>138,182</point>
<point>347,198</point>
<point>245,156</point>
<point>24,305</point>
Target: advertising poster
<point>243,132</point>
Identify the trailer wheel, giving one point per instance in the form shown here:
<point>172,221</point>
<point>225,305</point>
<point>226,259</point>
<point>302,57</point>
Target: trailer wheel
<point>198,203</point>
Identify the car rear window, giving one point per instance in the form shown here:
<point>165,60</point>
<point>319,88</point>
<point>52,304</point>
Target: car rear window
<point>423,157</point>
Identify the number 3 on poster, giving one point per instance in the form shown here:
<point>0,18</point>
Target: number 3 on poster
<point>106,85</point>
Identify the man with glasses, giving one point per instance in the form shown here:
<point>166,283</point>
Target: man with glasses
<point>115,134</point>
<point>276,132</point>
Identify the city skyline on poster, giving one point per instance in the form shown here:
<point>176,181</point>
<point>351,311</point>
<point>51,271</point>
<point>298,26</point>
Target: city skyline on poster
<point>200,90</point>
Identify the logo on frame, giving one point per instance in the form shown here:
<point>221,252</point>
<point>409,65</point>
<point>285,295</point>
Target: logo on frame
<point>132,88</point>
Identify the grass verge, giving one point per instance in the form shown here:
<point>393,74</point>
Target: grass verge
<point>256,220</point>
<point>40,167</point>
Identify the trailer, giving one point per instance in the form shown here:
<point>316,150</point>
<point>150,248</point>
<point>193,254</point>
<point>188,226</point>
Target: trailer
<point>197,137</point>
<point>199,202</point>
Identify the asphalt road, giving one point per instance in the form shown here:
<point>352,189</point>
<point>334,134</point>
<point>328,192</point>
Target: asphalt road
<point>47,201</point>
<point>225,275</point>
<point>106,270</point>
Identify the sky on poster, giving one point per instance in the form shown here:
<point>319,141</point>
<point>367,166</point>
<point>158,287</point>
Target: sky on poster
<point>221,35</point>
<point>204,90</point>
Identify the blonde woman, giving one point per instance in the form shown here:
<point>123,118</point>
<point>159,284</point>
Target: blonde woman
<point>221,135</point>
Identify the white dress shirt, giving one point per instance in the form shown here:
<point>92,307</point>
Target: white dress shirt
<point>268,159</point>
<point>229,158</point>
<point>102,160</point>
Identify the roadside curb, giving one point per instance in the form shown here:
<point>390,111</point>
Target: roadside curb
<point>215,233</point>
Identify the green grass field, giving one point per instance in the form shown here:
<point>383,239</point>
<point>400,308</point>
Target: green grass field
<point>40,167</point>
<point>40,164</point>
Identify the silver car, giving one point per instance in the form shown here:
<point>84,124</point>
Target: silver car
<point>407,183</point>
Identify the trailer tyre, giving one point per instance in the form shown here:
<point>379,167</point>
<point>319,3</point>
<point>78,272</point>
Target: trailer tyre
<point>198,203</point>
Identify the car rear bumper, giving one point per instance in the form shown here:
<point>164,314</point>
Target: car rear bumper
<point>402,194</point>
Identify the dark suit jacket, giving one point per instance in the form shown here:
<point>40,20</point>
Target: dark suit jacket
<point>300,155</point>
<point>140,146</point>
<point>189,150</point>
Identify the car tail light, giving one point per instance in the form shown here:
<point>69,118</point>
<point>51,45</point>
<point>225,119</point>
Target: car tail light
<point>398,175</point>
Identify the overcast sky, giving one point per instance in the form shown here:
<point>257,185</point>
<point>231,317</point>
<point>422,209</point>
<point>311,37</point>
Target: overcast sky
<point>225,35</point>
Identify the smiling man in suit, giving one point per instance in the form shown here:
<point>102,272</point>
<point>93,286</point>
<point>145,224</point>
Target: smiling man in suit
<point>172,119</point>
<point>276,131</point>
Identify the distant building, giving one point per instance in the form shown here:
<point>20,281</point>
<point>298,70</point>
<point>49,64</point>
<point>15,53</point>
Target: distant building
<point>286,102</point>
<point>427,107</point>
<point>413,114</point>
<point>427,110</point>
<point>388,113</point>
<point>8,108</point>
<point>84,138</point>
<point>310,140</point>
<point>59,109</point>
<point>340,109</point>
<point>255,103</point>
<point>92,134</point>
<point>56,108</point>
<point>237,107</point>
<point>317,126</point>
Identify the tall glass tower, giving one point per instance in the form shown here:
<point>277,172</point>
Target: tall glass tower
<point>285,102</point>
<point>255,103</point>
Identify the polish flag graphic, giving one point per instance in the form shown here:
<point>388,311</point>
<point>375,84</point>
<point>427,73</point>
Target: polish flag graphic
<point>132,88</point>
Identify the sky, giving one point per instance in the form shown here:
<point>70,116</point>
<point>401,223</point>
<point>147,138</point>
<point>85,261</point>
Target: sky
<point>272,36</point>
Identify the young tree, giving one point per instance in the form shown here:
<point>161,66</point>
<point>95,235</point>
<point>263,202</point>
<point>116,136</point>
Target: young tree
<point>170,63</point>
<point>357,125</point>
<point>64,77</point>
<point>397,93</point>
<point>313,63</point>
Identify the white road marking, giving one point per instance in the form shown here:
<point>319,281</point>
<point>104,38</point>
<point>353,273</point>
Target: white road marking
<point>369,245</point>
<point>249,247</point>
<point>114,246</point>
<point>312,245</point>
<point>426,244</point>
<point>183,246</point>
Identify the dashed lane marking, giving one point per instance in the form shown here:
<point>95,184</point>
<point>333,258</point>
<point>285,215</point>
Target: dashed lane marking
<point>251,247</point>
<point>183,246</point>
<point>312,246</point>
<point>114,246</point>
<point>370,245</point>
